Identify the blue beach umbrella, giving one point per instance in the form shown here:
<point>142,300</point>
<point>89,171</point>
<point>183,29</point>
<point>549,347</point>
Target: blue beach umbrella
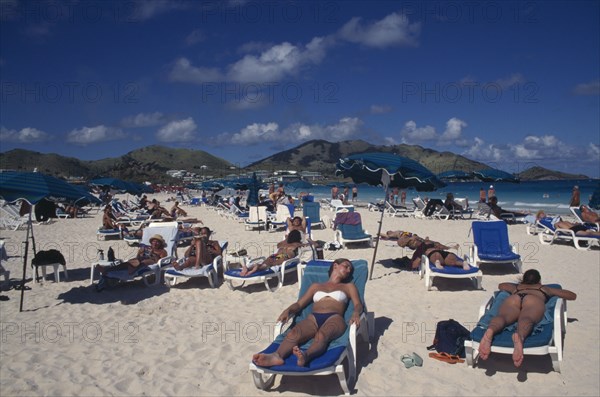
<point>117,184</point>
<point>494,175</point>
<point>33,187</point>
<point>403,172</point>
<point>389,170</point>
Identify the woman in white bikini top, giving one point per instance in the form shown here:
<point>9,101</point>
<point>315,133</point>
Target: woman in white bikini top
<point>339,296</point>
<point>326,322</point>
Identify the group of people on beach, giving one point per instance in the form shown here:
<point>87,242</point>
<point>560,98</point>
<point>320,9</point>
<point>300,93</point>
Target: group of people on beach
<point>525,305</point>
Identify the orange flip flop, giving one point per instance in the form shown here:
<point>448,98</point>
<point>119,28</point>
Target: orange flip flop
<point>447,358</point>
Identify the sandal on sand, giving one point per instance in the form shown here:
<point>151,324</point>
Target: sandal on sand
<point>411,360</point>
<point>447,358</point>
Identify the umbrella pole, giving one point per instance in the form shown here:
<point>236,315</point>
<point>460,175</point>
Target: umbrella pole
<point>29,227</point>
<point>378,233</point>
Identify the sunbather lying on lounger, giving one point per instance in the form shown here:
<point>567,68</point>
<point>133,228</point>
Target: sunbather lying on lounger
<point>436,252</point>
<point>587,215</point>
<point>326,322</point>
<point>526,307</point>
<point>578,228</point>
<point>286,249</point>
<point>201,252</point>
<point>145,256</point>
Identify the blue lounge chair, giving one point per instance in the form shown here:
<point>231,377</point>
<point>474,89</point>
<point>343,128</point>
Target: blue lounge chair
<point>549,235</point>
<point>211,271</point>
<point>546,338</point>
<point>232,275</point>
<point>429,272</point>
<point>339,350</point>
<point>312,211</point>
<point>491,245</point>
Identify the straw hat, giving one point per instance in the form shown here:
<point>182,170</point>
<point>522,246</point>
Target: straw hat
<point>159,238</point>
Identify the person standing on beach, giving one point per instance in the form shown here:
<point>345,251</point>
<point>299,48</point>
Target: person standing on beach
<point>482,195</point>
<point>334,192</point>
<point>575,197</point>
<point>354,193</point>
<point>403,198</point>
<point>491,193</point>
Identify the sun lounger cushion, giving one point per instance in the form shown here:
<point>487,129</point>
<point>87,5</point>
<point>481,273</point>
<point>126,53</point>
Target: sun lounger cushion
<point>542,332</point>
<point>352,232</point>
<point>453,269</point>
<point>190,271</point>
<point>327,359</point>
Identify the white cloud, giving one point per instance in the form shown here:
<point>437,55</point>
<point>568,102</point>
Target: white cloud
<point>484,152</point>
<point>393,30</point>
<point>506,82</point>
<point>256,133</point>
<point>413,134</point>
<point>195,37</point>
<point>453,130</point>
<point>593,152</point>
<point>178,131</point>
<point>345,128</point>
<point>143,120</point>
<point>100,133</point>
<point>183,71</point>
<point>589,88</point>
<point>380,109</point>
<point>275,62</point>
<point>25,135</point>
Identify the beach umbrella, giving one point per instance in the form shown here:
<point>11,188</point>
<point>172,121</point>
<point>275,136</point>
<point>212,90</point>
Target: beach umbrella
<point>387,170</point>
<point>402,171</point>
<point>454,174</point>
<point>117,184</point>
<point>33,187</point>
<point>494,175</point>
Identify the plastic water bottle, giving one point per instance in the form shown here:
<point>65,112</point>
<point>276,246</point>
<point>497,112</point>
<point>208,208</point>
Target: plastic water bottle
<point>101,255</point>
<point>111,254</point>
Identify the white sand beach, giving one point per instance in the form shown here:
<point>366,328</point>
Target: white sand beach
<point>192,339</point>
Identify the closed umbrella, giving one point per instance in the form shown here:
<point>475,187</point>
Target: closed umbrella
<point>33,187</point>
<point>387,170</point>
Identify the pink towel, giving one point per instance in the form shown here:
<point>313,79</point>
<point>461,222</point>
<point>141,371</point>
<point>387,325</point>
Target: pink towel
<point>346,218</point>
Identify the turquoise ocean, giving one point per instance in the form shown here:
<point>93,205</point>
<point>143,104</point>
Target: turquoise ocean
<point>551,196</point>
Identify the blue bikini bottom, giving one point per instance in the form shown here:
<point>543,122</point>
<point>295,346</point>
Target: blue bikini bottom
<point>320,318</point>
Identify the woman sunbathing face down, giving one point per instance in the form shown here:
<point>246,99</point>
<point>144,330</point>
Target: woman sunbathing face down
<point>324,324</point>
<point>525,306</point>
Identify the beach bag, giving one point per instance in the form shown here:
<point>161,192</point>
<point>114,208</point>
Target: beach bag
<point>450,338</point>
<point>43,258</point>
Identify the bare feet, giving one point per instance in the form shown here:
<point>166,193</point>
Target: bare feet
<point>267,360</point>
<point>466,265</point>
<point>485,346</point>
<point>299,355</point>
<point>439,265</point>
<point>518,352</point>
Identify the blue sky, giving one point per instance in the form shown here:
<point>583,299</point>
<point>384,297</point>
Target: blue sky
<point>511,84</point>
